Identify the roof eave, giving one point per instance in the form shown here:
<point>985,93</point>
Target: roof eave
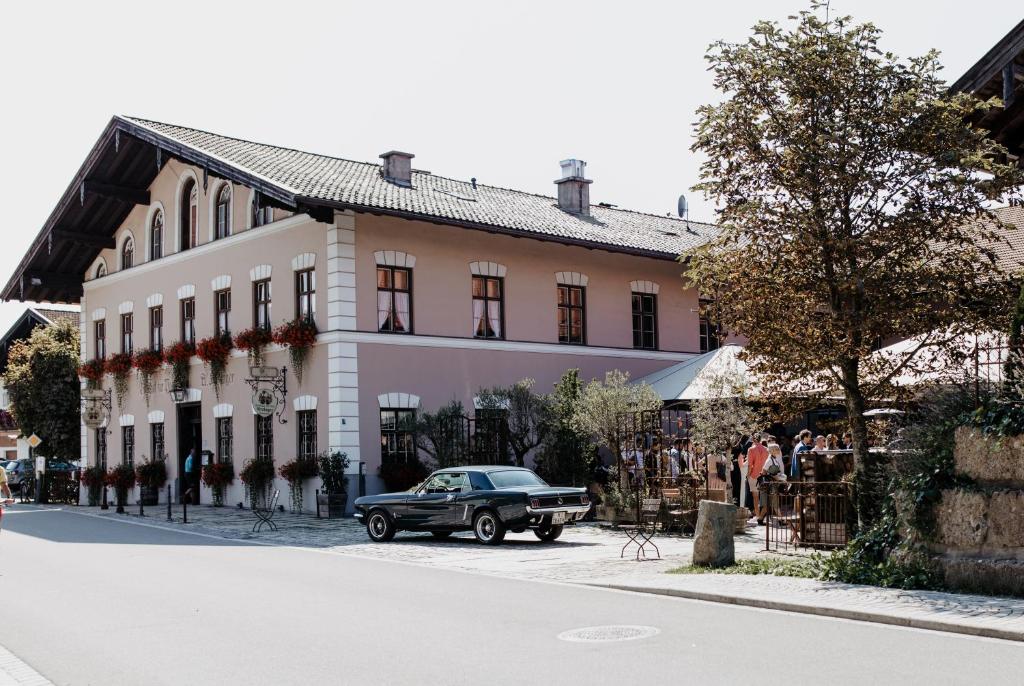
<point>489,228</point>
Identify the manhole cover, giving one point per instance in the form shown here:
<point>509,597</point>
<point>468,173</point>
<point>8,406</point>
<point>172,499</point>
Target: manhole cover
<point>606,634</point>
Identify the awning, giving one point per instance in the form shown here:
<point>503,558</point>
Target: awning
<point>690,380</point>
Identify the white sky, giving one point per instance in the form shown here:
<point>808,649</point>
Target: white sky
<point>497,90</point>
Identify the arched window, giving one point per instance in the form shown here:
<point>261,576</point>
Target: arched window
<point>222,218</point>
<point>189,229</point>
<point>261,214</point>
<point>101,270</point>
<point>156,236</point>
<point>127,253</point>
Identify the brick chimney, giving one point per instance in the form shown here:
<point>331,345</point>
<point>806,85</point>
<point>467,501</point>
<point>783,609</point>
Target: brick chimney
<point>573,188</point>
<point>397,167</point>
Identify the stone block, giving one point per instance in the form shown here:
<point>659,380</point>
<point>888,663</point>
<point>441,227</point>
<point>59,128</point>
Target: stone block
<point>979,575</point>
<point>962,518</point>
<point>713,541</point>
<point>1006,519</point>
<point>989,459</point>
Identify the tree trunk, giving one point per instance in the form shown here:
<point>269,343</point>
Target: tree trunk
<point>866,492</point>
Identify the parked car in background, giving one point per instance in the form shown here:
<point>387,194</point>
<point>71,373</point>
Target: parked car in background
<point>487,500</point>
<point>20,471</point>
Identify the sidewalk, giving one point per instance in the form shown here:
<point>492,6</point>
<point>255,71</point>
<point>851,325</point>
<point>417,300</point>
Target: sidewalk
<point>988,616</point>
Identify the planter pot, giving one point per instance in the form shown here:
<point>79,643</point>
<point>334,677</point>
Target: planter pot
<point>605,513</point>
<point>149,495</point>
<point>332,505</point>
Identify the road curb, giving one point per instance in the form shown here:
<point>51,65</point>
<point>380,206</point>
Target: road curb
<point>825,611</point>
<point>16,672</point>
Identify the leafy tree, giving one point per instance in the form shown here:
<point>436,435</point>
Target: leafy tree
<point>1012,375</point>
<point>565,454</point>
<point>442,436</point>
<point>525,411</point>
<point>724,412</point>
<point>604,404</point>
<point>42,382</point>
<point>851,193</point>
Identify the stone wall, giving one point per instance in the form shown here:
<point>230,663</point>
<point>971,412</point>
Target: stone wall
<point>979,533</point>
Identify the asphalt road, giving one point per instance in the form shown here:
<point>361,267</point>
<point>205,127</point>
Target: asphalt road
<point>91,601</point>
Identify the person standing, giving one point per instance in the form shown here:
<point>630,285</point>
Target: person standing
<point>802,446</point>
<point>675,455</point>
<point>757,455</point>
<point>735,454</point>
<point>190,465</point>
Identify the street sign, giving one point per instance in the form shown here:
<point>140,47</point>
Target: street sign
<point>264,372</point>
<point>34,441</point>
<point>40,464</point>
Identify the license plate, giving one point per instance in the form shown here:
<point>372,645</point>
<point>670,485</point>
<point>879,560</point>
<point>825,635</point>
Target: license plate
<point>558,518</point>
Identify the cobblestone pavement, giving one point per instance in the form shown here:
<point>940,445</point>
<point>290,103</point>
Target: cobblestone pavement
<point>590,554</point>
<point>995,617</point>
<point>584,552</point>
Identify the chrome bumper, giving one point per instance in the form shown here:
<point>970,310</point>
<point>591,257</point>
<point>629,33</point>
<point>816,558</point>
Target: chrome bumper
<point>572,509</point>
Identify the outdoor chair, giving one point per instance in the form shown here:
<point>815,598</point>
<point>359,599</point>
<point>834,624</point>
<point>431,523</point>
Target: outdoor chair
<point>641,535</point>
<point>265,515</point>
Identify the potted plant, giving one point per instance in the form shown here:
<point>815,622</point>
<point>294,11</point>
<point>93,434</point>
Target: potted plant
<point>122,479</point>
<point>334,496</point>
<point>179,356</point>
<point>215,351</point>
<point>93,479</point>
<point>119,365</point>
<point>151,476</point>
<point>92,372</point>
<point>257,474</point>
<point>148,363</point>
<point>254,342</point>
<point>218,476</point>
<point>299,336</point>
<point>295,472</point>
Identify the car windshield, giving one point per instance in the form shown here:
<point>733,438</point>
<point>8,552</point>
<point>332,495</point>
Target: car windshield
<point>515,477</point>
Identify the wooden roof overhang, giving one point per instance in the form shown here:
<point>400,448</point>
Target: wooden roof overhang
<point>115,177</point>
<point>1000,74</point>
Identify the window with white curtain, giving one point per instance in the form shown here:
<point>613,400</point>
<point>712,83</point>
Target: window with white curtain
<point>394,299</point>
<point>488,307</point>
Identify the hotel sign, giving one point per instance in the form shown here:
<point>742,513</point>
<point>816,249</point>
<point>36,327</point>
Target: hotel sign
<point>264,401</point>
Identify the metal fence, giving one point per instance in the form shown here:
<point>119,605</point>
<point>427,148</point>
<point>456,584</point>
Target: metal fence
<point>806,514</point>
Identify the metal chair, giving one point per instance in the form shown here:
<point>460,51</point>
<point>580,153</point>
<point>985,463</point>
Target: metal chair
<point>266,515</point>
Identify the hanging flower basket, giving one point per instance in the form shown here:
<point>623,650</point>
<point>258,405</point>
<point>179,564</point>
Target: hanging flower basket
<point>254,342</point>
<point>148,363</point>
<point>119,365</point>
<point>257,475</point>
<point>215,351</point>
<point>179,356</point>
<point>93,478</point>
<point>299,336</point>
<point>92,372</point>
<point>218,476</point>
<point>295,472</point>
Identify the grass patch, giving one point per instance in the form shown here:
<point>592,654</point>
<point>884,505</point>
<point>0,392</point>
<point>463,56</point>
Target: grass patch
<point>774,566</point>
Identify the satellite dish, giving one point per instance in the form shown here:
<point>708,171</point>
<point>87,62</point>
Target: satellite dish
<point>684,208</point>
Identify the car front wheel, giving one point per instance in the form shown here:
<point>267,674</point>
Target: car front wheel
<point>488,529</point>
<point>380,527</point>
<point>548,532</point>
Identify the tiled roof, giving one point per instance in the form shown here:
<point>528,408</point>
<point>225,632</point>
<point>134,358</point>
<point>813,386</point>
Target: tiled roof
<point>1009,248</point>
<point>361,185</point>
<point>56,316</point>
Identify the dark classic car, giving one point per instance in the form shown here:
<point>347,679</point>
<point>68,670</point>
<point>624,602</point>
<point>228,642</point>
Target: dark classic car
<point>488,501</point>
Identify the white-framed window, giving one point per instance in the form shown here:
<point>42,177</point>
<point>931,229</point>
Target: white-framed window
<point>222,213</point>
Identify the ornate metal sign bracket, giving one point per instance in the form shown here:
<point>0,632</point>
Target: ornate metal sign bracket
<point>269,391</point>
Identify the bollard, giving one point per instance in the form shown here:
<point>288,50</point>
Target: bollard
<point>104,505</point>
<point>318,503</point>
<point>169,504</point>
<point>184,506</point>
<point>141,513</point>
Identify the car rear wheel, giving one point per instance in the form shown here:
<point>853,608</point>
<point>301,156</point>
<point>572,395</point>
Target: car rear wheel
<point>488,529</point>
<point>441,534</point>
<point>379,527</point>
<point>547,532</point>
